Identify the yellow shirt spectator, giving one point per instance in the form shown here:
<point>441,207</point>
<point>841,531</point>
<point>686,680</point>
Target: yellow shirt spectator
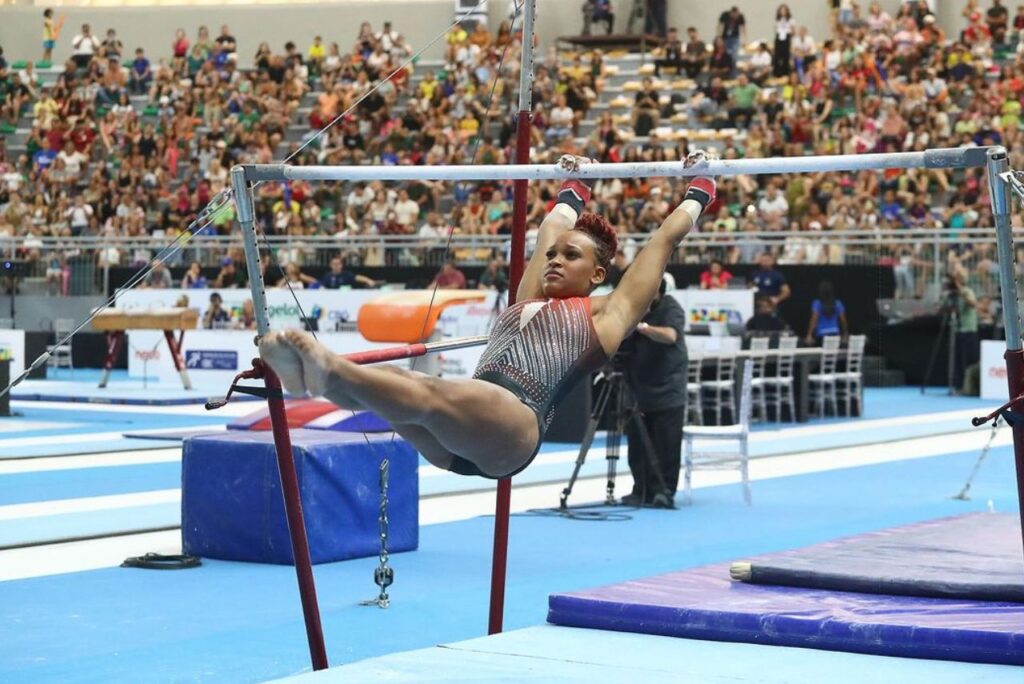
<point>317,51</point>
<point>457,36</point>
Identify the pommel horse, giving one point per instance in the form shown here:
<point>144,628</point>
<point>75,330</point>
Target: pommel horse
<point>115,323</point>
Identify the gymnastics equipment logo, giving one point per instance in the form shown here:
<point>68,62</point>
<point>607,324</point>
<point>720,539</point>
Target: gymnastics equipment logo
<point>203,359</point>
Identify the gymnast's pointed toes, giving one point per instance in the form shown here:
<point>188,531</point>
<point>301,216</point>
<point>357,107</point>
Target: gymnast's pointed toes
<point>282,358</point>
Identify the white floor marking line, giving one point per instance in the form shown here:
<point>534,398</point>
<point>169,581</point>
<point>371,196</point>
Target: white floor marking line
<point>14,424</point>
<point>98,436</point>
<point>108,460</point>
<point>88,504</point>
<point>92,554</point>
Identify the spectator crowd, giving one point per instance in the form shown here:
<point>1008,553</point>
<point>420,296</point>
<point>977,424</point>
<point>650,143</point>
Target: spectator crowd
<point>134,141</point>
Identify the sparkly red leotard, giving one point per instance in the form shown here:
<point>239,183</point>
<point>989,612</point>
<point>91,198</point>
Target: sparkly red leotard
<point>539,349</point>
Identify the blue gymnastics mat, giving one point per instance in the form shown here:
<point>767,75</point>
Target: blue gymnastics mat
<point>706,604</point>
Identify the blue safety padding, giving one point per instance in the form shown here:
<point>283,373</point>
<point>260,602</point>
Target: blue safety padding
<point>232,508</point>
<point>975,556</point>
<point>706,604</point>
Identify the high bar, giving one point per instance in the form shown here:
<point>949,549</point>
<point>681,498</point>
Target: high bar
<point>941,158</point>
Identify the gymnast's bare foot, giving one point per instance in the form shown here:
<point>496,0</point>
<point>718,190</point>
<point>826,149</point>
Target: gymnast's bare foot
<point>322,372</point>
<point>279,354</point>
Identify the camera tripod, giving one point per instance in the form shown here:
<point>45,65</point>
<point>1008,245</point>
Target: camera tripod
<point>615,400</point>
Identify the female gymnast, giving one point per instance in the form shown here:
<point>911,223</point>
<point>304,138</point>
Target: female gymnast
<point>555,335</point>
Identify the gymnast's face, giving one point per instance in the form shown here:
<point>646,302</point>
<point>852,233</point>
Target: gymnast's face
<point>572,269</point>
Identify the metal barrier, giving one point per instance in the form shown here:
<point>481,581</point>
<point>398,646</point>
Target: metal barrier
<point>920,259</point>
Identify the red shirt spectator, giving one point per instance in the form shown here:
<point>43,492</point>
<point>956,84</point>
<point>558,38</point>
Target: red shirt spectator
<point>449,278</point>
<point>715,278</point>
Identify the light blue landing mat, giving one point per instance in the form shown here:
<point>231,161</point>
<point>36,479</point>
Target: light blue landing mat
<point>565,654</point>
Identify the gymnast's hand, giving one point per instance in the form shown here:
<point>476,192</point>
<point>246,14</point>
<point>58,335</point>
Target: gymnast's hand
<point>572,163</point>
<point>700,156</point>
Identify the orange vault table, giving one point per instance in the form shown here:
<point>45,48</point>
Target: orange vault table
<point>115,323</point>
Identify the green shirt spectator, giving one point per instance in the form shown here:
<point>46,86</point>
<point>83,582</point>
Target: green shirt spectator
<point>744,95</point>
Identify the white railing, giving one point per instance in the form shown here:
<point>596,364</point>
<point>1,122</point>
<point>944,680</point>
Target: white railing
<point>919,258</point>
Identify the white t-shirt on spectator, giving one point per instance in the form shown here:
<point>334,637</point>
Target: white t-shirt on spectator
<point>776,207</point>
<point>407,212</point>
<point>804,46</point>
<point>79,216</point>
<point>561,117</point>
<point>73,162</point>
<point>85,45</point>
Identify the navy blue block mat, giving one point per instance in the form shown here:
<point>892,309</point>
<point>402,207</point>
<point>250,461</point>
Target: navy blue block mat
<point>976,556</point>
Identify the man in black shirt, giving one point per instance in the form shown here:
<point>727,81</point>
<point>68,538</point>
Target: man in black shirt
<point>226,41</point>
<point>732,26</point>
<point>645,111</point>
<point>695,56</point>
<point>673,52</point>
<point>655,366</point>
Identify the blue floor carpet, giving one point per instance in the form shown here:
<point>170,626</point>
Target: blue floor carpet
<point>241,623</point>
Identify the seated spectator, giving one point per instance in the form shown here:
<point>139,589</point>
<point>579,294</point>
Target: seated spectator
<point>229,276</point>
<point>295,279</point>
<point>759,66</point>
<point>646,108</point>
<point>561,120</point>
<point>720,63</point>
<point>598,11</point>
<point>494,276</point>
<point>141,75</point>
<point>828,316</point>
<point>716,277</point>
<point>449,278</point>
<point>216,316</point>
<point>158,278</point>
<point>742,101</point>
<point>337,277</point>
<point>193,278</point>
<point>674,57</point>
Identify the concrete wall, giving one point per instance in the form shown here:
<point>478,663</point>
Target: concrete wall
<point>420,20</point>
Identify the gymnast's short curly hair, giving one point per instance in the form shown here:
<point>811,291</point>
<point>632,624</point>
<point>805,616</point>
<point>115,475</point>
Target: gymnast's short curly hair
<point>603,235</point>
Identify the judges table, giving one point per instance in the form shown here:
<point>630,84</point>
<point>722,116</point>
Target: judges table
<point>805,361</point>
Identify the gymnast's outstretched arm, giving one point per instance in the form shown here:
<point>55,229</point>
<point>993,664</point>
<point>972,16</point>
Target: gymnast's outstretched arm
<point>630,301</point>
<point>572,198</point>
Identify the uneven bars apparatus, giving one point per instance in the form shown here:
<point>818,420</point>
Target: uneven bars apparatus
<point>994,159</point>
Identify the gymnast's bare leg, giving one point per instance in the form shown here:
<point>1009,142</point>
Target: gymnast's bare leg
<point>476,420</point>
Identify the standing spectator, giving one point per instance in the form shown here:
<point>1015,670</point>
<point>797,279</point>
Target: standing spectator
<point>716,277</point>
<point>732,28</point>
<point>51,31</point>
<point>960,300</point>
<point>83,47</point>
<point>783,39</point>
<point>768,281</point>
<point>226,42</point>
<point>449,278</point>
<point>828,316</point>
<point>998,20</point>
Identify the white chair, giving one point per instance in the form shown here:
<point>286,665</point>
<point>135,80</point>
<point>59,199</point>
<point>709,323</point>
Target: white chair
<point>720,459</point>
<point>823,383</point>
<point>694,407</point>
<point>851,380</point>
<point>720,389</point>
<point>758,359</point>
<point>779,387</point>
<point>60,354</point>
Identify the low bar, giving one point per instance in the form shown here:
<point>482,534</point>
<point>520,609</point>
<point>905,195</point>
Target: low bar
<point>946,158</point>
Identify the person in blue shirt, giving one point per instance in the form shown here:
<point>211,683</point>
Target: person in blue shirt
<point>338,277</point>
<point>828,316</point>
<point>768,282</point>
